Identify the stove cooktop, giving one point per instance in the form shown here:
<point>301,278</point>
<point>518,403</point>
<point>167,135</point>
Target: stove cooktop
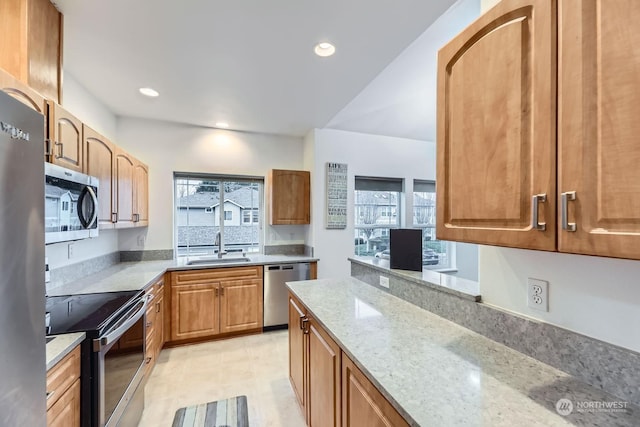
<point>89,313</point>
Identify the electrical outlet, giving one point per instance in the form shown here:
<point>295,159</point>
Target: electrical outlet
<point>70,250</point>
<point>538,294</point>
<point>384,282</point>
<point>141,240</point>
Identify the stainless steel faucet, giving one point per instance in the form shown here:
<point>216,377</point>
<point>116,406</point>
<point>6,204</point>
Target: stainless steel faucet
<point>218,242</point>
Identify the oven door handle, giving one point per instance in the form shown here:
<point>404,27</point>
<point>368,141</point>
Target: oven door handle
<point>122,326</point>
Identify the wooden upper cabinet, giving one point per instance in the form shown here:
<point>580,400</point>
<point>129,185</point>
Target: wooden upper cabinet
<point>31,44</point>
<point>99,161</point>
<point>496,129</point>
<point>22,92</point>
<point>290,197</point>
<point>65,138</point>
<point>599,127</point>
<point>141,194</point>
<point>124,182</point>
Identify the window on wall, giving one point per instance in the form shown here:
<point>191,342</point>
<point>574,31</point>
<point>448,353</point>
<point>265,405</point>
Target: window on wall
<point>435,253</point>
<point>377,210</point>
<point>209,204</point>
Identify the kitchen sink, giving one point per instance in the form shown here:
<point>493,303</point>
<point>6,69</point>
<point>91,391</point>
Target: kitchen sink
<point>215,260</point>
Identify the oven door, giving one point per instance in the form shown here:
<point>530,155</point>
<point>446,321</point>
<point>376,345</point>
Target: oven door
<point>120,358</point>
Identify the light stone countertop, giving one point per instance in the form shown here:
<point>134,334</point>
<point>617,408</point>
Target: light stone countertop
<point>464,288</point>
<point>130,276</point>
<point>437,373</point>
<point>60,346</point>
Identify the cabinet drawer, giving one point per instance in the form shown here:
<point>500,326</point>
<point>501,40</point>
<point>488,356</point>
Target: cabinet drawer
<point>215,275</point>
<point>66,411</point>
<point>62,376</point>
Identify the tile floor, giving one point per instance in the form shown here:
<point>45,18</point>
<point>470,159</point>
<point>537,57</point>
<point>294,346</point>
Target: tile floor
<point>255,365</point>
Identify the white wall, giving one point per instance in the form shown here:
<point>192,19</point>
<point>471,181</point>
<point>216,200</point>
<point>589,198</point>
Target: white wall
<point>88,108</point>
<point>365,155</point>
<point>598,297</point>
<point>169,147</point>
<point>94,113</point>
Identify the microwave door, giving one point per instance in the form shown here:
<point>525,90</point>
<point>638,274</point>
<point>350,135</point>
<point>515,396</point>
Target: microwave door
<point>88,207</point>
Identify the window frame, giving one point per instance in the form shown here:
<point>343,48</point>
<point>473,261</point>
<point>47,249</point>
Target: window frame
<point>431,225</point>
<point>388,212</point>
<point>220,219</point>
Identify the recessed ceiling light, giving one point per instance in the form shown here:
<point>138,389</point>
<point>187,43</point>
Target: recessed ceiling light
<point>223,125</point>
<point>147,91</point>
<point>324,49</point>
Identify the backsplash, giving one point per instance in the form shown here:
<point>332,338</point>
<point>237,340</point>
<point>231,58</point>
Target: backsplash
<point>611,368</point>
<point>150,255</point>
<point>295,249</point>
<point>73,272</point>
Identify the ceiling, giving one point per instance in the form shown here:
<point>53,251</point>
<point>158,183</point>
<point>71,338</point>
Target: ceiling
<point>247,62</point>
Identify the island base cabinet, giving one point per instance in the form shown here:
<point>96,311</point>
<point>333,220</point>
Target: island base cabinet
<point>297,352</point>
<point>323,377</point>
<point>314,368</point>
<point>362,404</point>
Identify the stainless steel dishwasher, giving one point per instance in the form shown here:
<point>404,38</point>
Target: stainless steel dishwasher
<point>276,302</point>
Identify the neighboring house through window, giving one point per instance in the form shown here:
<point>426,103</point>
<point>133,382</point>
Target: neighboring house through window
<point>209,204</point>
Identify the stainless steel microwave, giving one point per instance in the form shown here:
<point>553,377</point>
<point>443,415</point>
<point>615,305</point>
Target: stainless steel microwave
<point>70,205</point>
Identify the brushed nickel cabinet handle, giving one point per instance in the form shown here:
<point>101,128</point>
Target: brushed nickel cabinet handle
<point>60,150</point>
<point>50,394</point>
<point>535,206</point>
<point>565,198</point>
<point>305,320</point>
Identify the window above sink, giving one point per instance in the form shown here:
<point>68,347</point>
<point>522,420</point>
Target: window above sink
<point>207,204</point>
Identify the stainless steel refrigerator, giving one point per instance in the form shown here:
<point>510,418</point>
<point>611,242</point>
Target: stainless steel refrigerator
<point>22,292</point>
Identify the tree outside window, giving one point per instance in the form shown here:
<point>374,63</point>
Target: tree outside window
<point>435,253</point>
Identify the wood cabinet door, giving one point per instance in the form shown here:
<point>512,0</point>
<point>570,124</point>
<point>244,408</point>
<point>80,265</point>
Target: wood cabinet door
<point>323,378</point>
<point>99,161</point>
<point>194,311</point>
<point>297,358</point>
<point>22,92</point>
<point>598,127</point>
<point>240,305</point>
<point>141,194</point>
<point>65,135</point>
<point>45,48</point>
<point>362,404</point>
<point>496,145</point>
<point>66,411</point>
<point>124,171</point>
<point>290,197</point>
<point>159,324</point>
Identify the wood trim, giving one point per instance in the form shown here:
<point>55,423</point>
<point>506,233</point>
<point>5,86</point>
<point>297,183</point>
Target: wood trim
<point>313,273</point>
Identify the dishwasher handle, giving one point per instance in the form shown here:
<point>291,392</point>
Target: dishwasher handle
<point>288,267</point>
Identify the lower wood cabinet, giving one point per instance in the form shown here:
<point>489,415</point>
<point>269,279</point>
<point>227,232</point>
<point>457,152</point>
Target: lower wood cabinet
<point>154,329</point>
<point>207,303</point>
<point>63,392</point>
<point>314,368</point>
<point>330,389</point>
<point>362,404</point>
